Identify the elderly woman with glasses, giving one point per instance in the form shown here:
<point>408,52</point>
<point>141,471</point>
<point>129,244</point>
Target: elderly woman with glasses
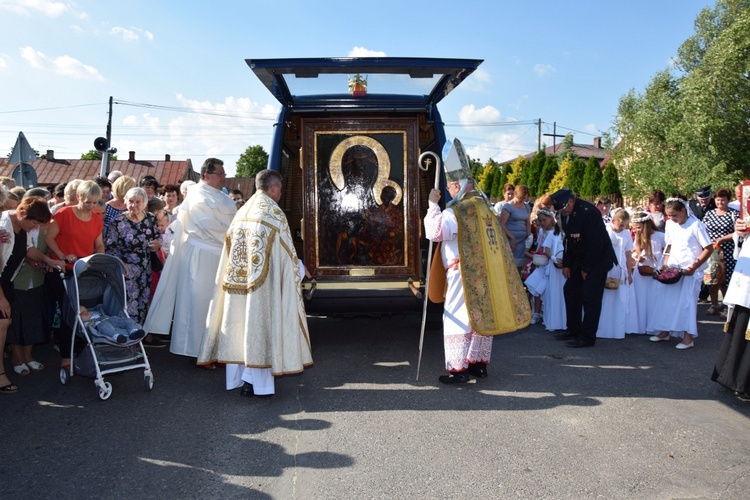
<point>75,232</point>
<point>132,237</point>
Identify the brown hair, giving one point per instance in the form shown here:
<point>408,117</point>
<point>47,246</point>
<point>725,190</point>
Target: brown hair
<point>657,195</point>
<point>642,239</point>
<point>723,193</point>
<point>545,201</point>
<point>34,208</point>
<point>521,190</point>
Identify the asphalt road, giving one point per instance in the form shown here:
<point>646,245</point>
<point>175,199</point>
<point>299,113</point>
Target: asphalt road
<point>625,419</point>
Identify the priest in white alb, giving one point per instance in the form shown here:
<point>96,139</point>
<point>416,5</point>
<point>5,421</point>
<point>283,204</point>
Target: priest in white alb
<point>189,275</point>
<point>256,321</point>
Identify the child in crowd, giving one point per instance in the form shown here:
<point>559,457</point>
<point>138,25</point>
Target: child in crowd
<point>554,316</point>
<point>618,307</point>
<point>116,329</point>
<point>688,248</point>
<point>647,253</point>
<point>162,221</point>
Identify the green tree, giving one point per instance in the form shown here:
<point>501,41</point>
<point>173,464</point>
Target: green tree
<point>610,184</point>
<point>534,172</point>
<point>548,173</point>
<point>502,178</point>
<point>575,175</point>
<point>567,150</point>
<point>516,170</point>
<point>560,180</point>
<point>93,154</point>
<point>476,167</point>
<point>592,178</point>
<point>487,176</point>
<point>252,161</point>
<point>497,183</point>
<point>689,127</point>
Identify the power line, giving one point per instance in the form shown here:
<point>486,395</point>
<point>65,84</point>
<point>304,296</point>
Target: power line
<point>50,109</point>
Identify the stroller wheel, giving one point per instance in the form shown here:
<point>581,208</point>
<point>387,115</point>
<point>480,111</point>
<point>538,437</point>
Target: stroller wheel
<point>105,392</point>
<point>149,382</point>
<point>64,376</point>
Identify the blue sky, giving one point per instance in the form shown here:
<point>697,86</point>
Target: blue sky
<point>564,62</point>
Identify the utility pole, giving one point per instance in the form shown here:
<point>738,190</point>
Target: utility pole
<point>554,137</point>
<point>539,135</point>
<point>105,154</point>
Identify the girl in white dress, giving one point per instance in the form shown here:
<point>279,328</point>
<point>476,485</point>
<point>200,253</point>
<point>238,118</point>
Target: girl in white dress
<point>688,247</point>
<point>616,307</point>
<point>554,316</point>
<point>647,252</point>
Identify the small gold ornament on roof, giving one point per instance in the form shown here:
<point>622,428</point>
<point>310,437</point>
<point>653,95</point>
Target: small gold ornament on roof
<point>358,86</point>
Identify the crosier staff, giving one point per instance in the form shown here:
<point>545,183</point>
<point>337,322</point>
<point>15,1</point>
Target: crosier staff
<point>424,161</point>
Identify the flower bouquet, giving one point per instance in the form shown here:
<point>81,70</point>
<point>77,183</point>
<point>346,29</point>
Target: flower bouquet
<point>668,276</point>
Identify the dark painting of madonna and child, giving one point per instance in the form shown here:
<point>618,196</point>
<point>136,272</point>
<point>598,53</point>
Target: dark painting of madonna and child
<point>360,180</point>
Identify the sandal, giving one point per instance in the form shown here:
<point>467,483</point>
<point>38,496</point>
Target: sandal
<point>21,369</point>
<point>8,389</point>
<point>35,366</point>
<point>712,311</point>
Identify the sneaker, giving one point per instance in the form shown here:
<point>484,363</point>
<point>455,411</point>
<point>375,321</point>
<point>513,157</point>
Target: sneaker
<point>154,342</point>
<point>120,338</point>
<point>137,334</point>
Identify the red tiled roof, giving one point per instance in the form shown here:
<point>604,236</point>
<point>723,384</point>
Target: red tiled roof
<point>244,184</point>
<point>56,171</point>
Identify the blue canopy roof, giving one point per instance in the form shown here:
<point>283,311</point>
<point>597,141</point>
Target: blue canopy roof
<point>399,83</point>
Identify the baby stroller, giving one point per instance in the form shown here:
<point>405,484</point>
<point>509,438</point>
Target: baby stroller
<point>99,280</point>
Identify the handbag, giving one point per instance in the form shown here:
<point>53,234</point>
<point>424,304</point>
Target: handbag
<point>156,264</point>
<point>715,274</point>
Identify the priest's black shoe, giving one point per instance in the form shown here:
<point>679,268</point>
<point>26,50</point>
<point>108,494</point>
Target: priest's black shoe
<point>566,335</point>
<point>247,389</point>
<point>454,378</point>
<point>478,370</point>
<point>580,343</point>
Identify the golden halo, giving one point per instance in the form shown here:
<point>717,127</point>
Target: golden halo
<point>335,167</point>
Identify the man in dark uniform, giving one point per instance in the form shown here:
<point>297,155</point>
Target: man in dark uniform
<point>587,258</point>
<point>702,203</point>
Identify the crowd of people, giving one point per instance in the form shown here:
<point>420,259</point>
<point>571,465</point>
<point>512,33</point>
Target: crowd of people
<point>591,270</point>
<point>636,270</point>
<point>44,232</point>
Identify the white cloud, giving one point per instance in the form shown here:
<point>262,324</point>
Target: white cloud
<point>470,116</point>
<point>363,52</point>
<point>477,81</point>
<point>591,128</point>
<point>130,120</point>
<point>63,65</point>
<point>543,70</point>
<point>223,129</point>
<point>31,7</point>
<point>132,34</point>
<point>519,102</point>
<point>3,62</point>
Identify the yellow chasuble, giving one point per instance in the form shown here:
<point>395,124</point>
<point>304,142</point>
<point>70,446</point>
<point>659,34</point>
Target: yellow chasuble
<point>494,293</point>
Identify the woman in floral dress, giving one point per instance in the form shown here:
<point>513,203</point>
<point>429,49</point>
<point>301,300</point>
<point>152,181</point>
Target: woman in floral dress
<point>132,237</point>
<point>719,223</point>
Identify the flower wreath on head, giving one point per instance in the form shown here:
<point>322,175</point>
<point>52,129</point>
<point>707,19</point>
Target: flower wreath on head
<point>546,212</point>
<point>684,204</point>
<point>638,220</point>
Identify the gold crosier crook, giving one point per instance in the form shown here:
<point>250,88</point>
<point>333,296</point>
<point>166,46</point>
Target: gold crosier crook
<point>335,167</point>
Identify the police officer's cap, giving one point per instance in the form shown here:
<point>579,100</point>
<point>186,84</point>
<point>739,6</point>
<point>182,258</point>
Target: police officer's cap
<point>561,197</point>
